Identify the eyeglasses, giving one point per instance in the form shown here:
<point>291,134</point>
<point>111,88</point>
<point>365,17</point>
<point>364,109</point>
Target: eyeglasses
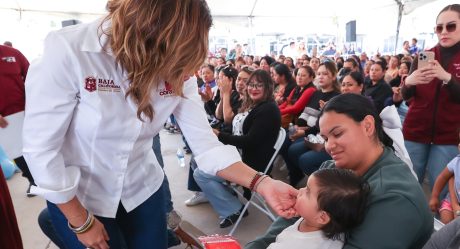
<point>450,27</point>
<point>256,85</point>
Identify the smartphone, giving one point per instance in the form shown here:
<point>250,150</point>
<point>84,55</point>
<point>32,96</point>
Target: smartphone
<point>424,57</point>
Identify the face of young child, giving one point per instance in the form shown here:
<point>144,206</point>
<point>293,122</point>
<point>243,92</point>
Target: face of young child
<point>307,201</point>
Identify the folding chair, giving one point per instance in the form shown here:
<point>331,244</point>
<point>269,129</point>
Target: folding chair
<point>262,206</point>
<point>437,224</point>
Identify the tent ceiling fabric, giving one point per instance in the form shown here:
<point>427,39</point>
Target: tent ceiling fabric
<point>302,8</point>
<point>234,8</point>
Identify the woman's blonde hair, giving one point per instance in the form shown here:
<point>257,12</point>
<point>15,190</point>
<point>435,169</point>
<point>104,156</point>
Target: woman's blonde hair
<point>157,40</point>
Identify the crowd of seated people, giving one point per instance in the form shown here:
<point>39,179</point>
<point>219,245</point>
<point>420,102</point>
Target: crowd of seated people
<point>379,79</point>
<point>249,98</point>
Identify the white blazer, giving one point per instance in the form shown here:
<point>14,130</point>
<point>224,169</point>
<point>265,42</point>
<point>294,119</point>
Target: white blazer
<point>82,136</point>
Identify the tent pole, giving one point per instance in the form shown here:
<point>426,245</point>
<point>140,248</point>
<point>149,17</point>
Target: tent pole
<point>400,13</point>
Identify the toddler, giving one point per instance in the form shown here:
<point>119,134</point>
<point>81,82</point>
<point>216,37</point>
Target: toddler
<point>331,205</point>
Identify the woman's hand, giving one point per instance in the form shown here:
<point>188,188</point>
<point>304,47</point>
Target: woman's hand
<point>216,131</point>
<point>280,196</point>
<point>225,85</point>
<point>207,94</point>
<point>96,237</point>
<point>322,103</point>
<point>434,204</point>
<point>397,95</point>
<point>298,134</point>
<point>3,122</point>
<point>435,70</point>
<point>419,76</point>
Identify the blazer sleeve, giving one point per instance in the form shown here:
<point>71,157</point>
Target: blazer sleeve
<point>52,94</point>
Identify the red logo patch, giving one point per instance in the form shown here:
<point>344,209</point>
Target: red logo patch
<point>168,86</point>
<point>167,91</point>
<point>90,84</point>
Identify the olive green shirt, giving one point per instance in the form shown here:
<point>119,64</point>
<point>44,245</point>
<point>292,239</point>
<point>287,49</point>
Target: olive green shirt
<point>397,216</point>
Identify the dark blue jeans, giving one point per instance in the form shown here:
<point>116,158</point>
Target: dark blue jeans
<point>192,185</point>
<point>156,146</point>
<point>143,228</point>
<point>46,225</point>
<point>302,160</point>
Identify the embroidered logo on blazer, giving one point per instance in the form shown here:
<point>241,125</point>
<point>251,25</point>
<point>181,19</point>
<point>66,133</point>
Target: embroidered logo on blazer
<point>166,91</point>
<point>90,84</point>
<point>102,85</point>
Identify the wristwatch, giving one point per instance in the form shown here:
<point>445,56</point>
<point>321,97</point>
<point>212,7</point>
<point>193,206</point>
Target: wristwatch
<point>457,212</point>
<point>446,82</point>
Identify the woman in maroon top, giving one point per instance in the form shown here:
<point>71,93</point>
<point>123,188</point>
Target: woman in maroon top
<point>432,122</point>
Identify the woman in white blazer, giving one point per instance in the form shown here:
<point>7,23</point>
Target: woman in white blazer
<point>96,98</point>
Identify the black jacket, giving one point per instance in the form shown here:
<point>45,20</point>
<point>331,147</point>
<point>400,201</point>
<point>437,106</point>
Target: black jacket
<point>260,131</point>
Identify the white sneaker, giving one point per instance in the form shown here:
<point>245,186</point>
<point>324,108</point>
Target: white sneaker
<point>196,199</point>
<point>173,219</point>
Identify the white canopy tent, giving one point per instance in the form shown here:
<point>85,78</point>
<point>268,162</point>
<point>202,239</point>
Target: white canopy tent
<point>26,21</point>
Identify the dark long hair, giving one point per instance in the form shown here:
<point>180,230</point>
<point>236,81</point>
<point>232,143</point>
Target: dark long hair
<point>343,196</point>
<point>283,69</point>
<point>231,73</point>
<point>357,107</point>
<point>260,76</point>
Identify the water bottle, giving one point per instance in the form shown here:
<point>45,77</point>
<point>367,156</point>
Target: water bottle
<point>292,130</point>
<point>7,166</point>
<point>180,157</point>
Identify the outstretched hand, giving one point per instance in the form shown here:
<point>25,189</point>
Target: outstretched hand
<point>3,122</point>
<point>280,196</point>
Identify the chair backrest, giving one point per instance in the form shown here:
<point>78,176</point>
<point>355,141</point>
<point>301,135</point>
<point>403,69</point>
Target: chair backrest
<point>279,142</point>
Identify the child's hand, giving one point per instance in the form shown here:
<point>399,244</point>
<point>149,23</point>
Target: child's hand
<point>434,204</point>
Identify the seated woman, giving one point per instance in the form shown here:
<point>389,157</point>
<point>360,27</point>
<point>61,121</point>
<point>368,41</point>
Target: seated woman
<point>299,96</point>
<point>397,214</point>
<point>284,82</point>
<point>301,158</point>
<point>352,82</point>
<point>232,86</point>
<point>378,89</point>
<point>209,90</point>
<point>395,84</point>
<point>258,121</point>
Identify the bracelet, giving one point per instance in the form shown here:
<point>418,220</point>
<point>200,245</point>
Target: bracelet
<point>258,183</point>
<point>254,180</point>
<point>85,227</point>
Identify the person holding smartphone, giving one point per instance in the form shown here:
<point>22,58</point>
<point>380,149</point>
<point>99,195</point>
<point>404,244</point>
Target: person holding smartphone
<point>432,122</point>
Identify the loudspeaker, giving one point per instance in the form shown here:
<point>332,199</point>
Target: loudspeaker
<point>71,22</point>
<point>351,31</point>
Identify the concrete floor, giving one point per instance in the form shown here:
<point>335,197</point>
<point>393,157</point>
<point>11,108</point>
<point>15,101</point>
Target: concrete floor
<point>202,216</point>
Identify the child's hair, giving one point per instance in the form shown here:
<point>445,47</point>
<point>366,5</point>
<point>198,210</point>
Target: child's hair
<point>343,195</point>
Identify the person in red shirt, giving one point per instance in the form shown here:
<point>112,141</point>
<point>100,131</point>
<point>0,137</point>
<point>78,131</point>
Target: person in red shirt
<point>13,72</point>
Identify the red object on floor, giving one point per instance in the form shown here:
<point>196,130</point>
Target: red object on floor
<point>9,232</point>
<point>219,242</point>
